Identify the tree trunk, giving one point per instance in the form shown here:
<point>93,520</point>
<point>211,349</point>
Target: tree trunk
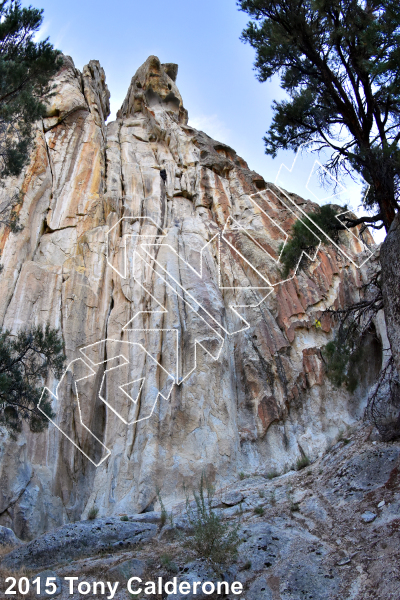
<point>382,173</point>
<point>388,214</point>
<point>390,263</point>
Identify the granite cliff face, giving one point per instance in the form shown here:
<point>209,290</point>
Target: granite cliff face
<point>154,249</point>
<point>327,532</point>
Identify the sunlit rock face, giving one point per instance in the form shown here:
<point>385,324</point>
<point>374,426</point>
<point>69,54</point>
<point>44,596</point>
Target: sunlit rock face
<point>154,249</point>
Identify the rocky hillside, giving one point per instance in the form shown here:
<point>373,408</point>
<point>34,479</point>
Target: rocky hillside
<point>155,250</point>
<point>327,532</point>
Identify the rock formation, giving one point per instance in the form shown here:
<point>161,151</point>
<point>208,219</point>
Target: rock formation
<point>327,532</point>
<point>154,249</point>
<point>390,259</point>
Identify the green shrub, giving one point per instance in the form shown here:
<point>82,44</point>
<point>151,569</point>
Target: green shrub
<point>164,513</point>
<point>259,511</point>
<point>211,538</point>
<point>272,474</point>
<point>168,563</point>
<point>26,361</point>
<point>93,512</point>
<point>342,356</point>
<point>341,437</point>
<point>302,462</point>
<point>305,236</point>
<point>336,357</point>
<point>242,475</point>
<point>124,518</point>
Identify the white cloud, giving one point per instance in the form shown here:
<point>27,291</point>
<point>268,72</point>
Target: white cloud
<point>61,35</point>
<point>212,125</point>
<point>42,33</point>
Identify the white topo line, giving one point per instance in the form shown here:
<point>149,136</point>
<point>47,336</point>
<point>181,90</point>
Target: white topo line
<point>144,245</point>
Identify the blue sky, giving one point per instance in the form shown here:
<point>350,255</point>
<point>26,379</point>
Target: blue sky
<point>216,76</point>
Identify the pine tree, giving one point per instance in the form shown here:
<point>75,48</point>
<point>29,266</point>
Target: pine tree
<point>26,360</point>
<point>26,68</point>
<point>339,62</point>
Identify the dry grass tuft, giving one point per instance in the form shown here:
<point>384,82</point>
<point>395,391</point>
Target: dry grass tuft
<point>5,550</point>
<point>4,573</point>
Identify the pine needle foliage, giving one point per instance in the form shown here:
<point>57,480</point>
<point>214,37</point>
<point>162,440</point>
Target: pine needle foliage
<point>305,236</point>
<point>346,352</point>
<point>339,64</point>
<point>26,360</point>
<point>26,68</point>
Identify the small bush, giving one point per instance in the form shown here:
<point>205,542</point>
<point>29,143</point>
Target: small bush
<point>259,511</point>
<point>164,513</point>
<point>273,498</point>
<point>261,493</point>
<point>93,512</point>
<point>124,518</point>
<point>342,359</point>
<point>272,474</point>
<point>342,438</point>
<point>242,475</point>
<point>305,236</point>
<point>212,539</point>
<point>168,563</point>
<point>345,355</point>
<point>302,462</point>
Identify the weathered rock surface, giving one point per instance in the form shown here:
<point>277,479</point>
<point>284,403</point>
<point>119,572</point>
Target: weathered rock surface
<point>311,542</point>
<point>128,568</point>
<point>47,577</point>
<point>131,315</point>
<point>390,260</point>
<point>8,539</point>
<point>78,539</point>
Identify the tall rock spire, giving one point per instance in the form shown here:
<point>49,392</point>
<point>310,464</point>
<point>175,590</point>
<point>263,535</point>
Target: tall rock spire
<point>154,84</point>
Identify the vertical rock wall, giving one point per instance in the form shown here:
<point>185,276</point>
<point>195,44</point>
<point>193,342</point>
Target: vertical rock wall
<point>390,259</point>
<point>152,246</point>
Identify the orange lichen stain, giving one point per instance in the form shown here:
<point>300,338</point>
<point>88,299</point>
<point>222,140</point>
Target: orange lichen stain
<point>38,165</point>
<point>268,411</point>
<point>3,239</point>
<point>221,204</point>
<point>96,177</point>
<point>57,134</point>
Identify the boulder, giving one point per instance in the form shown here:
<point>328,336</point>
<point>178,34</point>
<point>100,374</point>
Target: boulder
<point>8,539</point>
<point>232,498</point>
<point>127,569</point>
<point>79,539</point>
<point>45,584</point>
